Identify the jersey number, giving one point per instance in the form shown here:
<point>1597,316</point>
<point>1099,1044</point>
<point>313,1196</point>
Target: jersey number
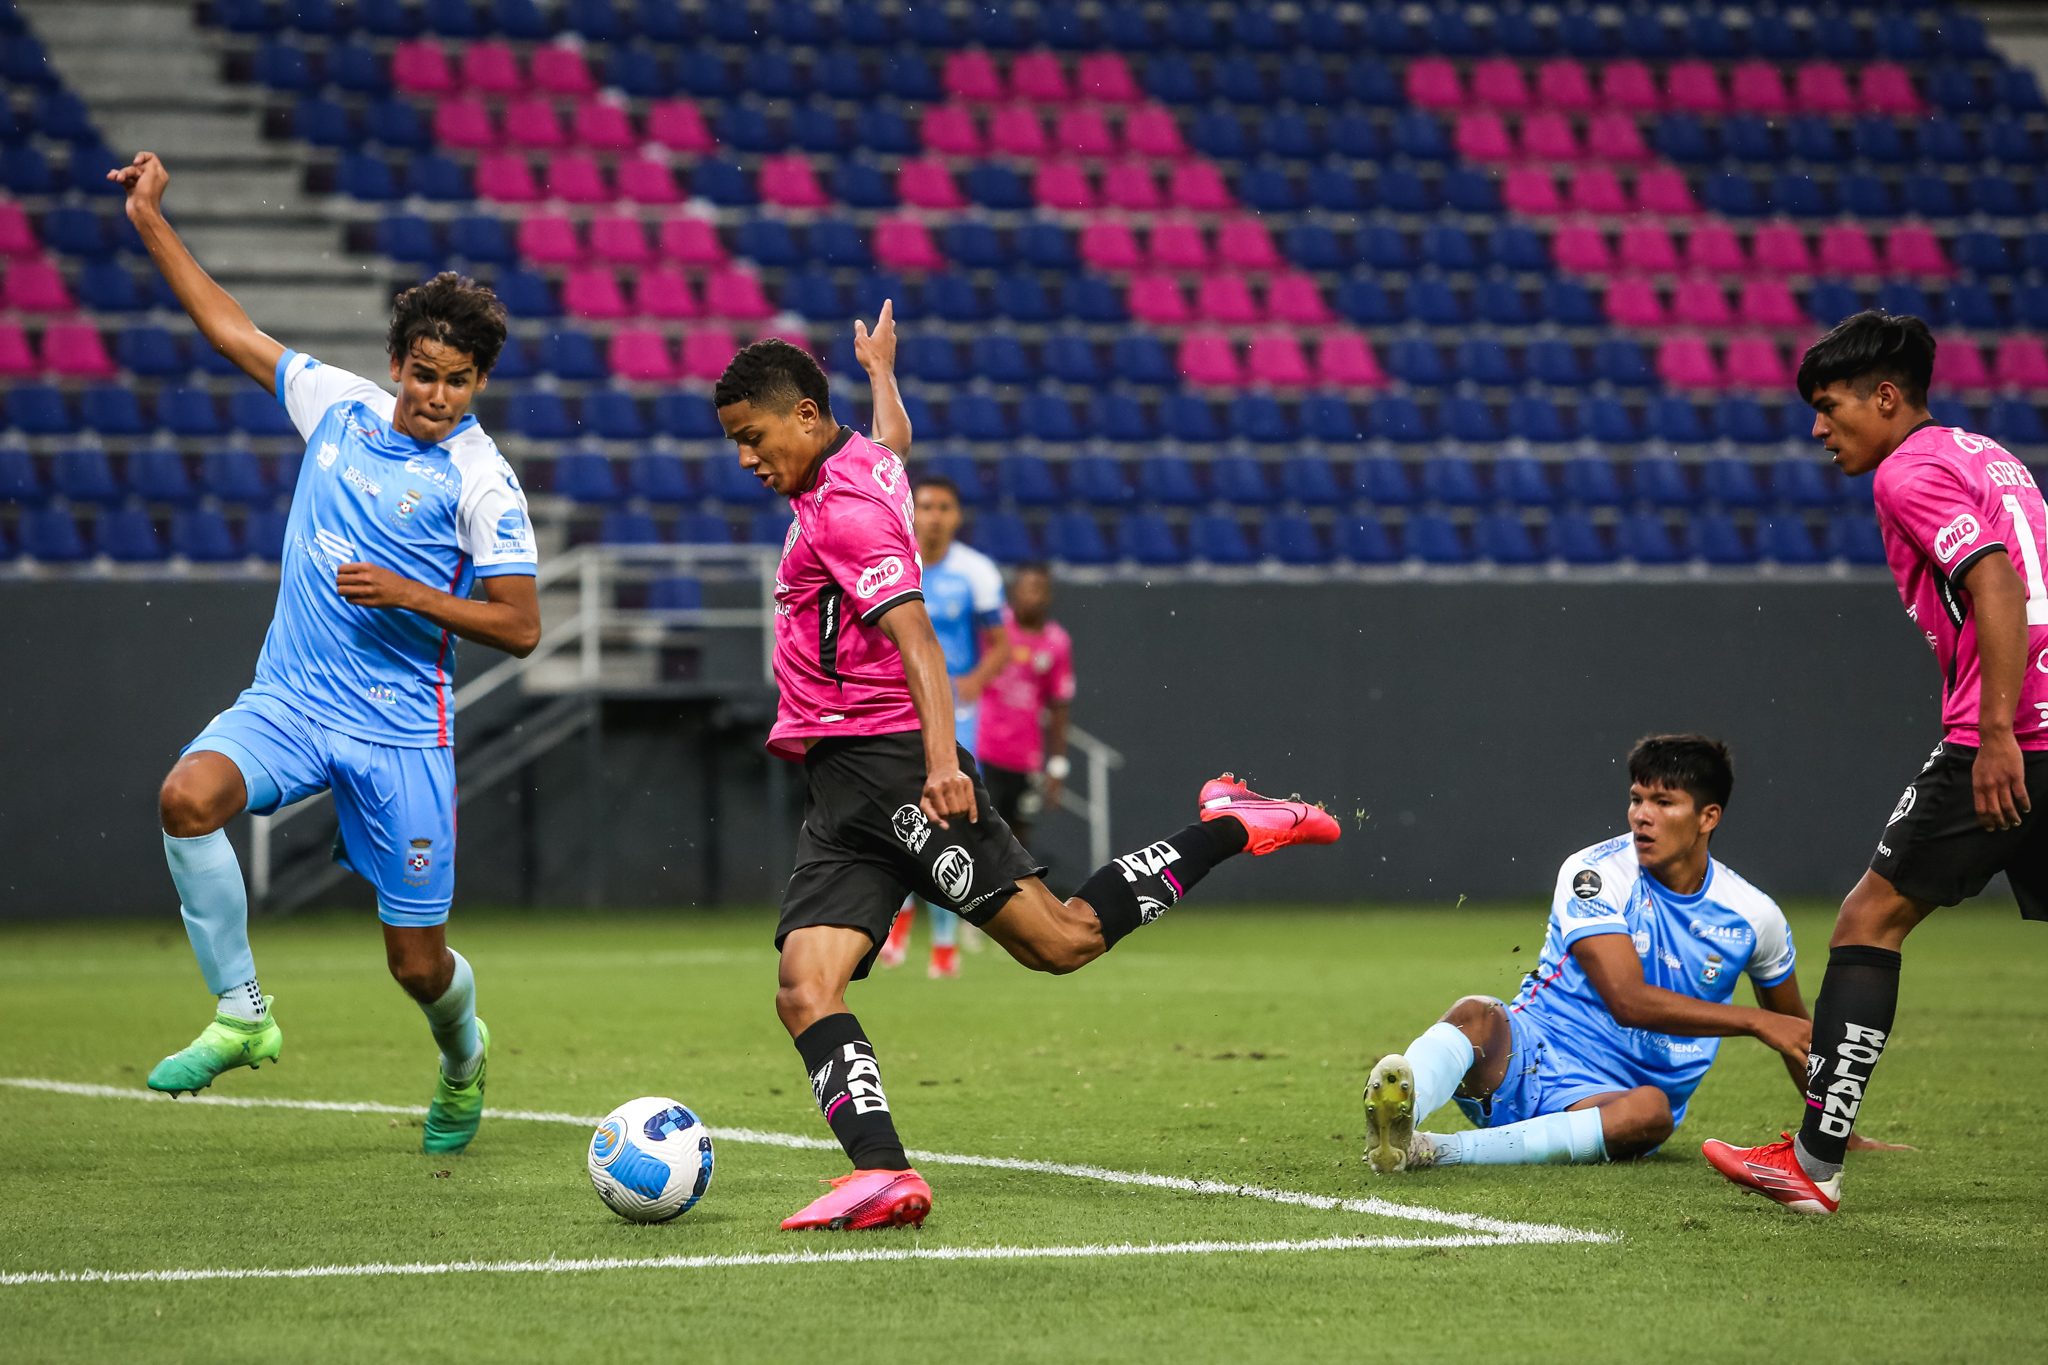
<point>2030,557</point>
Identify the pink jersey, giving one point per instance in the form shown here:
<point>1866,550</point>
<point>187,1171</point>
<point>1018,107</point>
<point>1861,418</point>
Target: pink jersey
<point>1040,672</point>
<point>849,556</point>
<point>1945,499</point>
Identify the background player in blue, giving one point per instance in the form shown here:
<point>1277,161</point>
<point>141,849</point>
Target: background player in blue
<point>1599,1054</point>
<point>401,506</point>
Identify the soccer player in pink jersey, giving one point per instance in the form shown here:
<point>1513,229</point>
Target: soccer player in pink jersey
<point>892,803</point>
<point>1963,526</point>
<point>1016,746</point>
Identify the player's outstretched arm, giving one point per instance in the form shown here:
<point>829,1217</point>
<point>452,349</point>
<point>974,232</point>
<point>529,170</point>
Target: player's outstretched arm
<point>876,352</point>
<point>508,618</point>
<point>220,319</point>
<point>947,790</point>
<point>1611,964</point>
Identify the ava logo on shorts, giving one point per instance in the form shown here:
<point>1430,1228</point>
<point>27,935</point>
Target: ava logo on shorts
<point>607,1142</point>
<point>880,576</point>
<point>1904,808</point>
<point>1951,539</point>
<point>954,872</point>
<point>911,827</point>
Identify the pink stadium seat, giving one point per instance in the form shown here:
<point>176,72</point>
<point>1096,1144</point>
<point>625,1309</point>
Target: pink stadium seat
<point>926,183</point>
<point>1616,137</point>
<point>1198,186</point>
<point>1632,301</point>
<point>906,244</point>
<point>17,235</point>
<point>1110,244</point>
<point>593,294</point>
<point>1886,88</point>
<point>1243,243</point>
<point>1781,249</point>
<point>1685,362</point>
<point>1548,136</point>
<point>1497,83</point>
<point>679,126</point>
<point>1532,190</point>
<point>1582,248</point>
<point>1130,185</point>
<point>1693,87</point>
<point>706,353</point>
<point>1822,88</point>
<point>1910,249</point>
<point>419,68</point>
<point>533,124</point>
<point>1344,361</point>
<point>1482,136</point>
<point>1714,249</point>
<point>691,241</point>
<point>644,180</point>
<point>1754,363</point>
<point>1755,87</point>
<point>1038,75</point>
<point>2022,362</point>
<point>506,179</point>
<point>950,129</point>
<point>1629,87</point>
<point>971,74</point>
<point>576,178</point>
<point>1227,298</point>
<point>17,358</point>
<point>1597,189</point>
<point>1063,184</point>
<point>492,68</point>
<point>1769,303</point>
<point>1847,250</point>
<point>788,179</point>
<point>1015,130</point>
<point>665,293</point>
<point>1959,364</point>
<point>1662,190</point>
<point>737,294</point>
<point>1151,131</point>
<point>1648,247</point>
<point>605,126</point>
<point>1083,131</point>
<point>35,286</point>
<point>642,357</point>
<point>1178,244</point>
<point>1276,359</point>
<point>1699,302</point>
<point>1293,296</point>
<point>1562,85</point>
<point>561,69</point>
<point>1106,77</point>
<point>1156,299</point>
<point>75,350</point>
<point>465,124</point>
<point>549,239</point>
<point>1208,358</point>
<point>1433,84</point>
<point>617,239</point>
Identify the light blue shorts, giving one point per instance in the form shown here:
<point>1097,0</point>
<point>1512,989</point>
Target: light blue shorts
<point>396,806</point>
<point>1545,1079</point>
<point>966,724</point>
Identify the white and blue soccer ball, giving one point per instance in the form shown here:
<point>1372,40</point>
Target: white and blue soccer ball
<point>650,1160</point>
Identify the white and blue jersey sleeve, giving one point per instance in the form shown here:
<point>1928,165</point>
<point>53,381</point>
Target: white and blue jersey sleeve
<point>1592,894</point>
<point>963,593</point>
<point>307,390</point>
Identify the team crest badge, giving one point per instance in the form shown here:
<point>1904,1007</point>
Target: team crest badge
<point>418,861</point>
<point>408,504</point>
<point>1711,973</point>
<point>1905,806</point>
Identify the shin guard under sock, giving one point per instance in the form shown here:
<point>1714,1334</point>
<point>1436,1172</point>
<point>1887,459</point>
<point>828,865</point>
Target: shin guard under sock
<point>215,905</point>
<point>848,1085</point>
<point>1439,1058</point>
<point>1140,887</point>
<point>452,1020</point>
<point>1576,1137</point>
<point>1852,1018</point>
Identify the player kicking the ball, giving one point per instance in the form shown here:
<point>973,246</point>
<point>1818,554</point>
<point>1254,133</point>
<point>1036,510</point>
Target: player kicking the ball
<point>400,507</point>
<point>1961,519</point>
<point>893,803</point>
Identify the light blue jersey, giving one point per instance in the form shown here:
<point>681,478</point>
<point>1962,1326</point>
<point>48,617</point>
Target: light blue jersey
<point>964,594</point>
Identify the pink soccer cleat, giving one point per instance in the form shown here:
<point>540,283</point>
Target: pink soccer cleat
<point>1271,824</point>
<point>867,1199</point>
<point>896,947</point>
<point>1773,1171</point>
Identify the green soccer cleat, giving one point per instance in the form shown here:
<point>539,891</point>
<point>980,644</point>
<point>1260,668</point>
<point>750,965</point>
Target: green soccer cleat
<point>453,1117</point>
<point>1389,1114</point>
<point>225,1044</point>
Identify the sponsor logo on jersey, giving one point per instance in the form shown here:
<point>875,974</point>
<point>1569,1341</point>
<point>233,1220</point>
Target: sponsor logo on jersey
<point>954,872</point>
<point>1905,806</point>
<point>1641,937</point>
<point>341,550</point>
<point>422,469</point>
<point>1734,933</point>
<point>408,504</point>
<point>879,576</point>
<point>888,472</point>
<point>329,453</point>
<point>382,695</point>
<point>512,534</point>
<point>1966,441</point>
<point>362,481</point>
<point>911,827</point>
<point>2008,474</point>
<point>1951,539</point>
<point>1586,885</point>
<point>509,474</point>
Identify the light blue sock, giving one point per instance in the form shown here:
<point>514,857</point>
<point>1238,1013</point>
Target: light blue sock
<point>215,904</point>
<point>453,1021</point>
<point>1572,1138</point>
<point>945,926</point>
<point>1440,1058</point>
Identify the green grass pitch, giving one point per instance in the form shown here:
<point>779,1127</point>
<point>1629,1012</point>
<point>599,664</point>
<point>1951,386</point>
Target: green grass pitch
<point>1221,1044</point>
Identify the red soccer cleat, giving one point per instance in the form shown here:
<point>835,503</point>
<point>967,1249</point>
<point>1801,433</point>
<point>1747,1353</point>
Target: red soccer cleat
<point>1271,824</point>
<point>867,1199</point>
<point>1773,1171</point>
<point>945,962</point>
<point>897,946</point>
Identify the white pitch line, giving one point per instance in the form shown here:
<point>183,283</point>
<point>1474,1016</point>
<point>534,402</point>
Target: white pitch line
<point>1496,1230</point>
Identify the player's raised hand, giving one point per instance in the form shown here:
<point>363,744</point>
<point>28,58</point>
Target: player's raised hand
<point>876,350</point>
<point>948,791</point>
<point>145,180</point>
<point>366,585</point>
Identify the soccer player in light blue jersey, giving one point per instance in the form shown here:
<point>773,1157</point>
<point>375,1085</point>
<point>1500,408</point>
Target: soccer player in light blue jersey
<point>402,507</point>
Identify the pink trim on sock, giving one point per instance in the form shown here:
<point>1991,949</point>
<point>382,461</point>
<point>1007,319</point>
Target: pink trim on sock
<point>1174,882</point>
<point>835,1108</point>
<point>1815,1103</point>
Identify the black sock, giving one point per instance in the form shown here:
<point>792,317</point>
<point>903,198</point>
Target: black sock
<point>1140,887</point>
<point>848,1085</point>
<point>1852,1018</point>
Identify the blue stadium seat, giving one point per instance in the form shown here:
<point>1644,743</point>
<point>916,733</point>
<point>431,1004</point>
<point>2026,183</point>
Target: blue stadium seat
<point>1683,138</point>
<point>1309,479</point>
<point>1334,189</point>
<point>75,230</point>
<point>769,526</point>
<point>1093,298</point>
<point>687,417</point>
<point>1383,481</point>
<point>1953,89</point>
<point>1027,480</point>
<point>954,297</point>
<point>1436,303</point>
<point>1172,80</point>
<point>965,473</point>
<point>236,476</point>
<point>1830,301</point>
<point>1075,538</point>
<point>660,478</point>
<point>540,416</point>
<point>586,477</point>
<point>1258,417</point>
<point>1399,419</point>
<point>1470,420</point>
<point>1813,140</point>
<point>203,536</point>
<point>525,294</point>
<point>1471,190</point>
<point>108,287</point>
<point>1070,358</point>
<point>1621,362</point>
<point>1573,538</point>
<point>1049,417</point>
<point>1569,303</point>
<point>628,528</point>
<point>1744,421</point>
<point>996,186</point>
<point>1449,247</point>
<point>1555,362</point>
<point>1369,81</point>
<point>860,185</point>
<point>569,354</point>
<point>1731,195</point>
<point>2015,422</point>
<point>1121,417</point>
<point>1434,540</point>
<point>1905,297</point>
<point>1503,537</point>
<point>1950,412</point>
<point>1147,538</point>
<point>1365,302</point>
<point>1661,483</point>
<point>409,238</point>
<point>1502,303</point>
<point>979,417</point>
<point>257,413</point>
<point>1188,417</point>
<point>1219,134</point>
<point>368,178</point>
<point>1099,481</point>
<point>1329,417</point>
<point>1799,482</point>
<point>1746,137</point>
<point>702,528</point>
<point>2019,91</point>
<point>1676,420</point>
<point>731,485</point>
<point>1242,480</point>
<point>1219,539</point>
<point>678,593</point>
<point>1291,538</point>
<point>39,410</point>
<point>1590,481</point>
<point>1983,252</point>
<point>1716,538</point>
<point>1362,540</point>
<point>1877,139</point>
<point>1416,360</point>
<point>1929,196</point>
<point>1536,419</point>
<point>1855,539</point>
<point>127,536</point>
<point>1973,306</point>
<point>1405,191</point>
<point>1644,537</point>
<point>1452,480</point>
<point>1000,358</point>
<point>1801,196</point>
<point>1169,480</point>
<point>1486,361</point>
<point>111,410</point>
<point>614,415</point>
<point>1047,246</point>
<point>158,474</point>
<point>1523,481</point>
<point>51,535</point>
<point>1268,189</point>
<point>25,170</point>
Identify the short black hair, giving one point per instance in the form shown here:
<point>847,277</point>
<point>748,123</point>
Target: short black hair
<point>1870,348</point>
<point>775,375</point>
<point>924,481</point>
<point>1693,764</point>
<point>453,310</point>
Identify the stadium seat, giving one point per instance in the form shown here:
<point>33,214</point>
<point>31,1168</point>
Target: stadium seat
<point>51,535</point>
<point>1075,538</point>
<point>1147,538</point>
<point>1219,539</point>
<point>204,537</point>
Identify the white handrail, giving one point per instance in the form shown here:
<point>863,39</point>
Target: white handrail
<point>1094,807</point>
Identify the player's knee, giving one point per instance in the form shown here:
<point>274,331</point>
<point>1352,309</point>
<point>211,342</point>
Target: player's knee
<point>801,1003</point>
<point>183,804</point>
<point>1476,1016</point>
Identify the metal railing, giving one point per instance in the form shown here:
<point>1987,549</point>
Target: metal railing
<point>1094,807</point>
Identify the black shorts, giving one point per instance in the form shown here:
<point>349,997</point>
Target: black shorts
<point>865,844</point>
<point>1017,797</point>
<point>1933,849</point>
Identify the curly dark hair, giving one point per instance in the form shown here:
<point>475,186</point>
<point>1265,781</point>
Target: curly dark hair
<point>1870,348</point>
<point>453,310</point>
<point>775,375</point>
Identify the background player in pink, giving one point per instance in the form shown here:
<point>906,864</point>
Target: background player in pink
<point>1016,745</point>
<point>1962,522</point>
<point>892,803</point>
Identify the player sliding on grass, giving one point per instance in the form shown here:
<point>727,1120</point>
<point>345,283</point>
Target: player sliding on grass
<point>892,802</point>
<point>1961,518</point>
<point>400,507</point>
